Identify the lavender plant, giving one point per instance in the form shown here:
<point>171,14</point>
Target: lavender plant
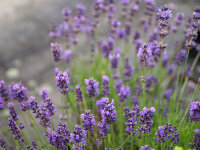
<point>120,86</point>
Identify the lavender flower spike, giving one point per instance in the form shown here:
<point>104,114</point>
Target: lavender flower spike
<point>88,121</point>
<point>124,92</point>
<point>14,129</point>
<point>79,95</point>
<point>146,147</point>
<point>3,143</point>
<point>3,91</point>
<point>105,84</point>
<point>13,112</point>
<point>56,50</point>
<point>195,111</point>
<point>145,119</point>
<point>18,92</point>
<point>62,81</point>
<point>92,87</point>
<point>78,137</point>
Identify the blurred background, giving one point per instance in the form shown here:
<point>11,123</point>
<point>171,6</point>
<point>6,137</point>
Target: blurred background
<point>24,44</point>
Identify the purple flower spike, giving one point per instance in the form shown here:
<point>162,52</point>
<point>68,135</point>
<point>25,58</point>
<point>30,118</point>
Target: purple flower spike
<point>56,50</point>
<point>79,95</point>
<point>146,147</point>
<point>14,129</point>
<point>78,137</point>
<point>128,71</point>
<point>44,93</point>
<point>1,103</point>
<point>3,91</point>
<point>145,119</point>
<point>18,92</point>
<point>179,19</point>
<point>108,113</point>
<point>103,129</point>
<point>144,54</point>
<point>124,92</point>
<point>62,81</point>
<point>88,121</point>
<point>60,137</point>
<point>167,132</point>
<point>102,103</point>
<point>105,84</point>
<point>67,57</point>
<point>167,94</point>
<point>196,142</point>
<point>114,59</point>
<point>3,143</point>
<point>195,111</point>
<point>13,112</point>
<point>92,87</point>
<point>132,119</point>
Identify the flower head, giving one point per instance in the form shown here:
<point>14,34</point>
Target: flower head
<point>3,91</point>
<point>78,137</point>
<point>88,121</point>
<point>62,81</point>
<point>195,111</point>
<point>92,87</point>
<point>145,119</point>
<point>79,95</point>
<point>105,84</point>
<point>56,50</point>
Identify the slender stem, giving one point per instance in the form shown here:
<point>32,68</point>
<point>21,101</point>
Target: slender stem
<point>192,68</point>
<point>182,76</point>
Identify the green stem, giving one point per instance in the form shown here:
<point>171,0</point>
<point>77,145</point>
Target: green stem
<point>185,65</point>
<point>192,68</point>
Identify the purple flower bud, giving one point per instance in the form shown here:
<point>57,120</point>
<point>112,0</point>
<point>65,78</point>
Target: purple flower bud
<point>105,85</point>
<point>13,112</point>
<point>3,143</point>
<point>118,85</point>
<point>195,111</point>
<point>144,54</point>
<point>1,103</point>
<point>56,50</point>
<point>114,59</point>
<point>103,129</point>
<point>179,19</point>
<point>3,91</point>
<point>44,93</point>
<point>108,113</point>
<point>92,87</point>
<point>21,126</point>
<point>132,119</point>
<point>66,14</point>
<point>60,137</point>
<point>167,132</point>
<point>180,57</point>
<point>124,92</point>
<point>88,121</point>
<point>14,129</point>
<point>167,94</point>
<point>171,69</point>
<point>146,147</point>
<point>128,71</point>
<point>18,92</point>
<point>79,95</point>
<point>67,56</point>
<point>145,119</point>
<point>78,137</point>
<point>62,81</point>
<point>196,142</point>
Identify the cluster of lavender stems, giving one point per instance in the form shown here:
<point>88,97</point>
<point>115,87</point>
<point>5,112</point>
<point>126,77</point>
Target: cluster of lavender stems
<point>125,87</point>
